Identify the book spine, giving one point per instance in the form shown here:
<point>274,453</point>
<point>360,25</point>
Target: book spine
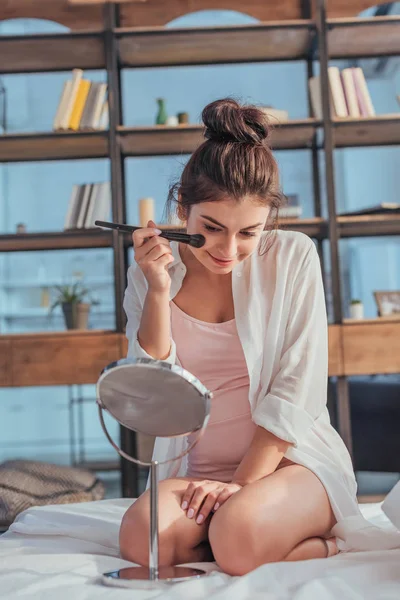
<point>79,105</point>
<point>61,104</point>
<point>363,93</point>
<point>98,105</point>
<point>76,79</point>
<point>350,93</point>
<point>71,205</point>
<point>84,206</point>
<point>85,120</point>
<point>336,87</point>
<point>89,219</point>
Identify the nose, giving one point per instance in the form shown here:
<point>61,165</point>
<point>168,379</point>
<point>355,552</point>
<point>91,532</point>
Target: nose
<point>229,247</point>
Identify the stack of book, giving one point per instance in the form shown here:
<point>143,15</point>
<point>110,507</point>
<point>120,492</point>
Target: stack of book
<point>88,202</point>
<point>83,104</point>
<point>349,94</point>
<point>292,208</point>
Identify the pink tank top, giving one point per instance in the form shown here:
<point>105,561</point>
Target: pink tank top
<point>212,352</point>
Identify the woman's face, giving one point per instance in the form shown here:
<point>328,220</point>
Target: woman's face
<point>232,230</point>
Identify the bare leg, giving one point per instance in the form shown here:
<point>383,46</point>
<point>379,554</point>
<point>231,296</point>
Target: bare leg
<point>314,547</point>
<point>274,519</point>
<point>181,540</point>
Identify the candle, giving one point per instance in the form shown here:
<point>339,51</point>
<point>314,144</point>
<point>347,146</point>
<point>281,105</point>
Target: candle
<point>146,211</point>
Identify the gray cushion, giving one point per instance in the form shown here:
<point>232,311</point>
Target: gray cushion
<point>26,483</point>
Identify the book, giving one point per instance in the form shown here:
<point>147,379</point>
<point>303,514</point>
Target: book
<point>71,205</point>
<point>292,209</point>
<point>62,104</point>
<point>335,84</point>
<point>364,99</point>
<point>100,204</point>
<point>99,101</point>
<point>350,93</point>
<point>74,207</point>
<point>88,109</point>
<point>104,117</point>
<point>70,100</point>
<point>84,205</point>
<point>79,104</point>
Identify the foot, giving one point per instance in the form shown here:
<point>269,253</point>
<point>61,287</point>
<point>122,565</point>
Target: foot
<point>331,547</point>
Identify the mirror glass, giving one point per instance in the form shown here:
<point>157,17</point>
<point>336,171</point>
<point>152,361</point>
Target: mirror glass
<point>153,397</point>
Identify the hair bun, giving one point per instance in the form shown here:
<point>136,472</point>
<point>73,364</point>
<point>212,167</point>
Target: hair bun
<point>227,121</point>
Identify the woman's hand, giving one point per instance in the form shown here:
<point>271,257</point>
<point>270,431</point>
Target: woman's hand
<point>153,254</point>
<point>203,497</point>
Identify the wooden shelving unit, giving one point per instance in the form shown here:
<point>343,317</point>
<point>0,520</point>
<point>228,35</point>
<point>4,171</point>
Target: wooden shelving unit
<point>354,348</point>
<point>365,37</point>
<point>161,47</point>
<point>22,147</point>
<point>59,240</point>
<point>30,54</point>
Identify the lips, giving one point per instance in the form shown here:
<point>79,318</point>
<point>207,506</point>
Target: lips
<point>220,261</point>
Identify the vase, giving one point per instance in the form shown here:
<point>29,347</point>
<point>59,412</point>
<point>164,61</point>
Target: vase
<point>357,311</point>
<point>76,315</point>
<point>162,116</point>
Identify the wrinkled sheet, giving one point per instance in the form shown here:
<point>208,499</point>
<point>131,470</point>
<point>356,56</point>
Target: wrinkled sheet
<point>60,552</point>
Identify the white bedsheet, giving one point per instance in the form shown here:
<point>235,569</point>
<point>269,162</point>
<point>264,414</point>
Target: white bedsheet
<point>59,552</point>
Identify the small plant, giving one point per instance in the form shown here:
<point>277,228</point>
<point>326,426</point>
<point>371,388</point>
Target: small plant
<point>71,294</point>
<point>356,301</point>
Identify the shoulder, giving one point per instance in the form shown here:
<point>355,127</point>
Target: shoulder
<point>292,246</point>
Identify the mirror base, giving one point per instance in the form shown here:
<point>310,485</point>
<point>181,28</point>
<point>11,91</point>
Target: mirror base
<point>128,576</point>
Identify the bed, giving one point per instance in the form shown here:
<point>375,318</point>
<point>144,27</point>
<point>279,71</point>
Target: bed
<point>60,552</point>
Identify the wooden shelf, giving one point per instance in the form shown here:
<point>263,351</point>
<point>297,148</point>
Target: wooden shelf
<point>59,240</point>
<point>372,131</point>
<point>32,53</point>
<point>22,147</point>
<point>371,347</point>
<point>368,225</point>
<point>184,139</point>
<point>57,358</point>
<point>161,47</point>
<point>315,228</point>
<point>364,37</point>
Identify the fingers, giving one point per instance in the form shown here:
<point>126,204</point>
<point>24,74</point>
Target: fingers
<point>140,236</point>
<point>146,250</point>
<point>208,505</point>
<point>197,494</point>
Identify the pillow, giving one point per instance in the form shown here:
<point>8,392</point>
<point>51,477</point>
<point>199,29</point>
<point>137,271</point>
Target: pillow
<point>26,483</point>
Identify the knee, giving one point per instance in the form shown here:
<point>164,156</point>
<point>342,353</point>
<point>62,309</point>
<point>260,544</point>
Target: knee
<point>134,535</point>
<point>238,544</point>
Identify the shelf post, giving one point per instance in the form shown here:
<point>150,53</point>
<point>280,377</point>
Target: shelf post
<point>342,388</point>
<point>129,470</point>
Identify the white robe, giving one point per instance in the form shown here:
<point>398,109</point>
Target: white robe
<point>281,321</point>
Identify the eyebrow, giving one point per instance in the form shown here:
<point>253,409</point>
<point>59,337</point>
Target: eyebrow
<point>223,226</point>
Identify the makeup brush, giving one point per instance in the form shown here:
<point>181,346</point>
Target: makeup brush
<point>195,240</point>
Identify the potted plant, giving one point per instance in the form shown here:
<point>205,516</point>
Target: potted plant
<point>356,309</point>
<point>71,299</point>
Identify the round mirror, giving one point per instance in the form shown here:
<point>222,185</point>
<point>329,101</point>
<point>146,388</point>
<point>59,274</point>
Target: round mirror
<point>153,397</point>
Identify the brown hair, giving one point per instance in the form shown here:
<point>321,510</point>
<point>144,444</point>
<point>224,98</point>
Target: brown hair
<point>234,161</point>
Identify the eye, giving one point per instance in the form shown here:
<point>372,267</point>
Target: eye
<point>247,234</point>
<point>211,228</point>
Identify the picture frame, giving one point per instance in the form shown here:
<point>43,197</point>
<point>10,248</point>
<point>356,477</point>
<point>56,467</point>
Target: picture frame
<point>388,303</point>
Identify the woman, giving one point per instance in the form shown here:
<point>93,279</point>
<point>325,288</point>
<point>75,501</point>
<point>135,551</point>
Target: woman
<point>246,315</point>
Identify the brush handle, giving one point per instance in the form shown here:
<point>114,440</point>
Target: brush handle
<point>196,240</point>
